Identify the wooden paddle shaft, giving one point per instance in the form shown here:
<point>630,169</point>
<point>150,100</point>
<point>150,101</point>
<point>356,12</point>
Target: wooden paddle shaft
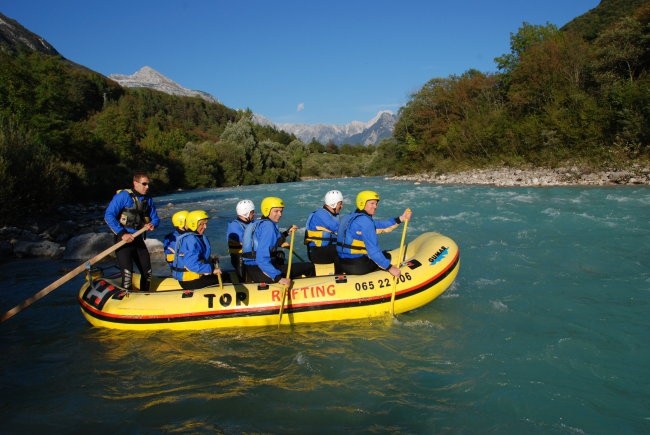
<point>286,287</point>
<point>399,263</point>
<point>65,278</point>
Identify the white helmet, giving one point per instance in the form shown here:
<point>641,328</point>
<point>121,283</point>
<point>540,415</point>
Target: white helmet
<point>332,198</point>
<point>244,207</point>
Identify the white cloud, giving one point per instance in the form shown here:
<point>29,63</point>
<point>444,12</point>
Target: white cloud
<point>301,107</point>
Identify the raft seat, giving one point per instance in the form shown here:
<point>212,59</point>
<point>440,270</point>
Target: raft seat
<point>324,269</point>
<point>161,284</point>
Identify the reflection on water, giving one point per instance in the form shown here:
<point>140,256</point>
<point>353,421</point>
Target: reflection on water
<point>349,368</point>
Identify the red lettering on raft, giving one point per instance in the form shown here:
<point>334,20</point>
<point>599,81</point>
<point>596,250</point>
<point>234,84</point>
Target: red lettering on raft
<point>312,292</point>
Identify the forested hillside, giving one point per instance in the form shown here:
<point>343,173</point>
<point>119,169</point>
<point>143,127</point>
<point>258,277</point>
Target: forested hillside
<point>71,135</point>
<point>577,94</point>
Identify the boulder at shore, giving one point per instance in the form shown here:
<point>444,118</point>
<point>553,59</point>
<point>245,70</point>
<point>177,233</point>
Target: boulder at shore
<point>86,246</point>
<point>43,248</point>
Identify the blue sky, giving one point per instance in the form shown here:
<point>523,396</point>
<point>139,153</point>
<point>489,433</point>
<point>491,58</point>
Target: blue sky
<point>307,62</point>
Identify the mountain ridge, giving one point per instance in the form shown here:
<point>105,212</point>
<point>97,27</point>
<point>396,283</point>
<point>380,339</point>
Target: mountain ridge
<point>147,77</point>
<point>355,132</point>
<point>14,38</point>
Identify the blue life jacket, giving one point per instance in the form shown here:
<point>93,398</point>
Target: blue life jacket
<point>187,265</point>
<point>321,228</point>
<point>169,245</point>
<point>250,242</point>
<point>236,230</point>
<point>348,243</point>
<point>262,233</point>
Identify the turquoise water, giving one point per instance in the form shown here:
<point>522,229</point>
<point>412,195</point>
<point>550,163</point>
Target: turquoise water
<point>544,331</point>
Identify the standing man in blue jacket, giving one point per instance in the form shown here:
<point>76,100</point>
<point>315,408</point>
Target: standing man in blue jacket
<point>358,245</point>
<point>129,211</point>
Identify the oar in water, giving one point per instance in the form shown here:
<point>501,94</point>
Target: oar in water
<point>399,263</point>
<point>65,278</point>
<point>286,287</point>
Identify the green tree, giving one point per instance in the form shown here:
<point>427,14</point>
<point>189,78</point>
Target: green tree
<point>549,69</point>
<point>236,148</point>
<point>623,51</point>
<point>526,36</point>
<point>446,118</point>
<point>202,165</point>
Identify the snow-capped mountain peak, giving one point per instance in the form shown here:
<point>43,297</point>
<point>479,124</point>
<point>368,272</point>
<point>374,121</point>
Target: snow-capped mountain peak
<point>147,77</point>
<point>378,116</point>
<point>354,133</point>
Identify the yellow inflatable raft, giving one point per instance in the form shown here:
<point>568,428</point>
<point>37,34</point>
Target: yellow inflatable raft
<point>430,266</point>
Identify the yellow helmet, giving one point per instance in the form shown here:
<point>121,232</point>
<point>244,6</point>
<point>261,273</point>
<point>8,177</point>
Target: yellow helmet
<point>270,202</point>
<point>193,218</point>
<point>178,219</point>
<point>365,196</point>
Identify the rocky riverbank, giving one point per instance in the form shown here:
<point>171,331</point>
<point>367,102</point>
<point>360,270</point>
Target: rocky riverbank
<point>509,177</point>
<point>73,232</point>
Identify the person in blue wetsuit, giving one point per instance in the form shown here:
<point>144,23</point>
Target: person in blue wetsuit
<point>193,265</point>
<point>262,241</point>
<point>357,243</point>
<point>322,228</point>
<point>169,242</point>
<point>129,211</point>
<point>235,233</point>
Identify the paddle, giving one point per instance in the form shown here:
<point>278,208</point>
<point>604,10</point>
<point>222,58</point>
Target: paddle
<point>399,263</point>
<point>65,278</point>
<point>296,254</point>
<point>214,259</point>
<point>286,287</point>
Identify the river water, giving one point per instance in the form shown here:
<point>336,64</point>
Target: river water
<point>545,330</point>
